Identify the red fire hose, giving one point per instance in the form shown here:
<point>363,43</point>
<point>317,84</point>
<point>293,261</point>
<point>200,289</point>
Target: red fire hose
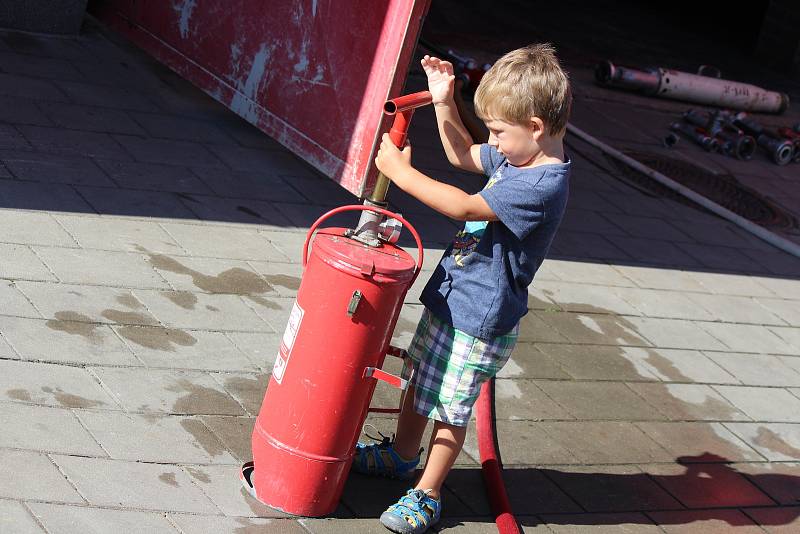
<point>490,462</point>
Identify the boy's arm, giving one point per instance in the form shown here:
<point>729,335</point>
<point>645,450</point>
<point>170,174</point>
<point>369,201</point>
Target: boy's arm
<point>446,199</point>
<point>458,144</point>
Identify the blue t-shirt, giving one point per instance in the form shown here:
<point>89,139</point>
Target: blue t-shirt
<point>481,283</point>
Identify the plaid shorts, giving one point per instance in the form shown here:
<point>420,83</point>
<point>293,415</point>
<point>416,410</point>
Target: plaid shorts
<point>450,366</point>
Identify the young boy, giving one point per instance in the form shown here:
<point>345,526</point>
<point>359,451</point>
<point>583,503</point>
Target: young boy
<point>478,292</point>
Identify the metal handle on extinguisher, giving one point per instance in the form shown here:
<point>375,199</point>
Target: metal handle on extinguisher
<point>357,207</point>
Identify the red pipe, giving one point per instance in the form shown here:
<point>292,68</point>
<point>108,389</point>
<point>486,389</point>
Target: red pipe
<point>403,108</point>
<point>490,462</point>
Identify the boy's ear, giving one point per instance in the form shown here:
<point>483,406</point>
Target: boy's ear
<point>537,127</point>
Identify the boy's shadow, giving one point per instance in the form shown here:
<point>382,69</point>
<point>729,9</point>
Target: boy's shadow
<point>703,487</point>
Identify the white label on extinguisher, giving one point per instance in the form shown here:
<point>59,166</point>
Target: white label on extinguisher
<point>287,342</point>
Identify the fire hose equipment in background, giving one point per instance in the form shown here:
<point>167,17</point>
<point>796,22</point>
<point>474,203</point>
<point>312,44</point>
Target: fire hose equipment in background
<point>677,85</point>
<point>781,150</point>
<point>330,358</point>
<point>732,141</point>
<point>736,135</point>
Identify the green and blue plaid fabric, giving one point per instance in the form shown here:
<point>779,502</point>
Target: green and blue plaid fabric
<point>450,366</point>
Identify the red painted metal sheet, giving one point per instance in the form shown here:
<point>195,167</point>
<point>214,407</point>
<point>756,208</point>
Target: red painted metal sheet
<point>313,74</point>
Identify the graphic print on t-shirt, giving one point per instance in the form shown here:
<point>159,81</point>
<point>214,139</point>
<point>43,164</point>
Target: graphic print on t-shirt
<point>466,240</point>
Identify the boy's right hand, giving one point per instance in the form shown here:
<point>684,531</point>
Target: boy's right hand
<point>440,78</point>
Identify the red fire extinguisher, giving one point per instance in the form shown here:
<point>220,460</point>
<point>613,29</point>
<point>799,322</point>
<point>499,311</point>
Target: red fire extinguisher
<point>331,353</point>
<point>325,373</point>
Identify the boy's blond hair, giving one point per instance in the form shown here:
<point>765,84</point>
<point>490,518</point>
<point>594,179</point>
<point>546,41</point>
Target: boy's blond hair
<point>524,83</point>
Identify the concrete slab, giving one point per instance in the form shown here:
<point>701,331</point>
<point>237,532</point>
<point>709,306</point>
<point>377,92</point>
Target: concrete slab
<point>776,520</point>
<point>21,263</point>
<point>627,522</point>
<point>260,348</point>
<point>775,441</point>
<point>13,515</point>
<point>65,340</point>
<point>711,521</point>
<point>56,430</point>
<point>521,399</point>
<point>52,385</point>
<point>654,252</point>
<point>17,226</point>
<point>531,361</point>
<point>585,298</point>
<point>224,242</point>
<point>178,349</point>
<point>96,304</point>
<point>790,335</point>
<point>333,526</point>
<point>748,338</point>
<point>732,284</point>
<point>50,168</point>
<point>707,485</point>
<point>21,111</point>
<point>788,310</point>
<point>757,369</point>
<point>72,142</point>
<point>697,441</point>
<point>203,311</point>
<point>615,488</point>
<point>732,309</point>
<point>64,519</point>
<point>15,303</point>
<point>778,480</point>
<point>48,484</point>
<point>688,402</point>
<point>167,391</point>
<point>136,204</point>
<point>197,524</point>
<point>248,389</point>
<point>654,278</point>
<point>603,442</point>
<point>673,365</point>
<point>600,362</point>
<point>221,484</point>
<point>719,257</point>
<point>90,94</point>
<point>582,272</point>
<point>595,329</point>
<point>234,432</point>
<point>263,184</point>
<point>675,334</point>
<point>763,404</point>
<point>107,233</point>
<point>90,118</point>
<point>162,439</point>
<point>100,267</point>
<point>136,485</point>
<point>663,304</point>
<point>587,401</point>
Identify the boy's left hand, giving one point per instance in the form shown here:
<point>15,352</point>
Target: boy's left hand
<point>390,160</point>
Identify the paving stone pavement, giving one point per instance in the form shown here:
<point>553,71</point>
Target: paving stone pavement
<point>150,245</point>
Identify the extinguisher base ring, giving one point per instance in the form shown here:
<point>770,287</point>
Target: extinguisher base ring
<point>245,477</point>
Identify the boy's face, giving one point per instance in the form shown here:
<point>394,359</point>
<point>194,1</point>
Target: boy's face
<point>517,142</point>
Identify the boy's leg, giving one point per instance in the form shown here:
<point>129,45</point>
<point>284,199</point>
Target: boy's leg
<point>445,446</point>
<point>410,427</point>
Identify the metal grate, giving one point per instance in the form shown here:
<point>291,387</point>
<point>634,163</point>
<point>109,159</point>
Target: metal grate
<point>724,189</point>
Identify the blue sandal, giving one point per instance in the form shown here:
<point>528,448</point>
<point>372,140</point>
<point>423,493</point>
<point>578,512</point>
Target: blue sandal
<point>380,459</point>
<point>414,513</point>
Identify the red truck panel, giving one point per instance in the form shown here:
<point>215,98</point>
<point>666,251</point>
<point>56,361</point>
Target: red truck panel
<point>313,74</point>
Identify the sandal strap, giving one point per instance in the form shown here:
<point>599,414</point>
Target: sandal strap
<point>416,506</point>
